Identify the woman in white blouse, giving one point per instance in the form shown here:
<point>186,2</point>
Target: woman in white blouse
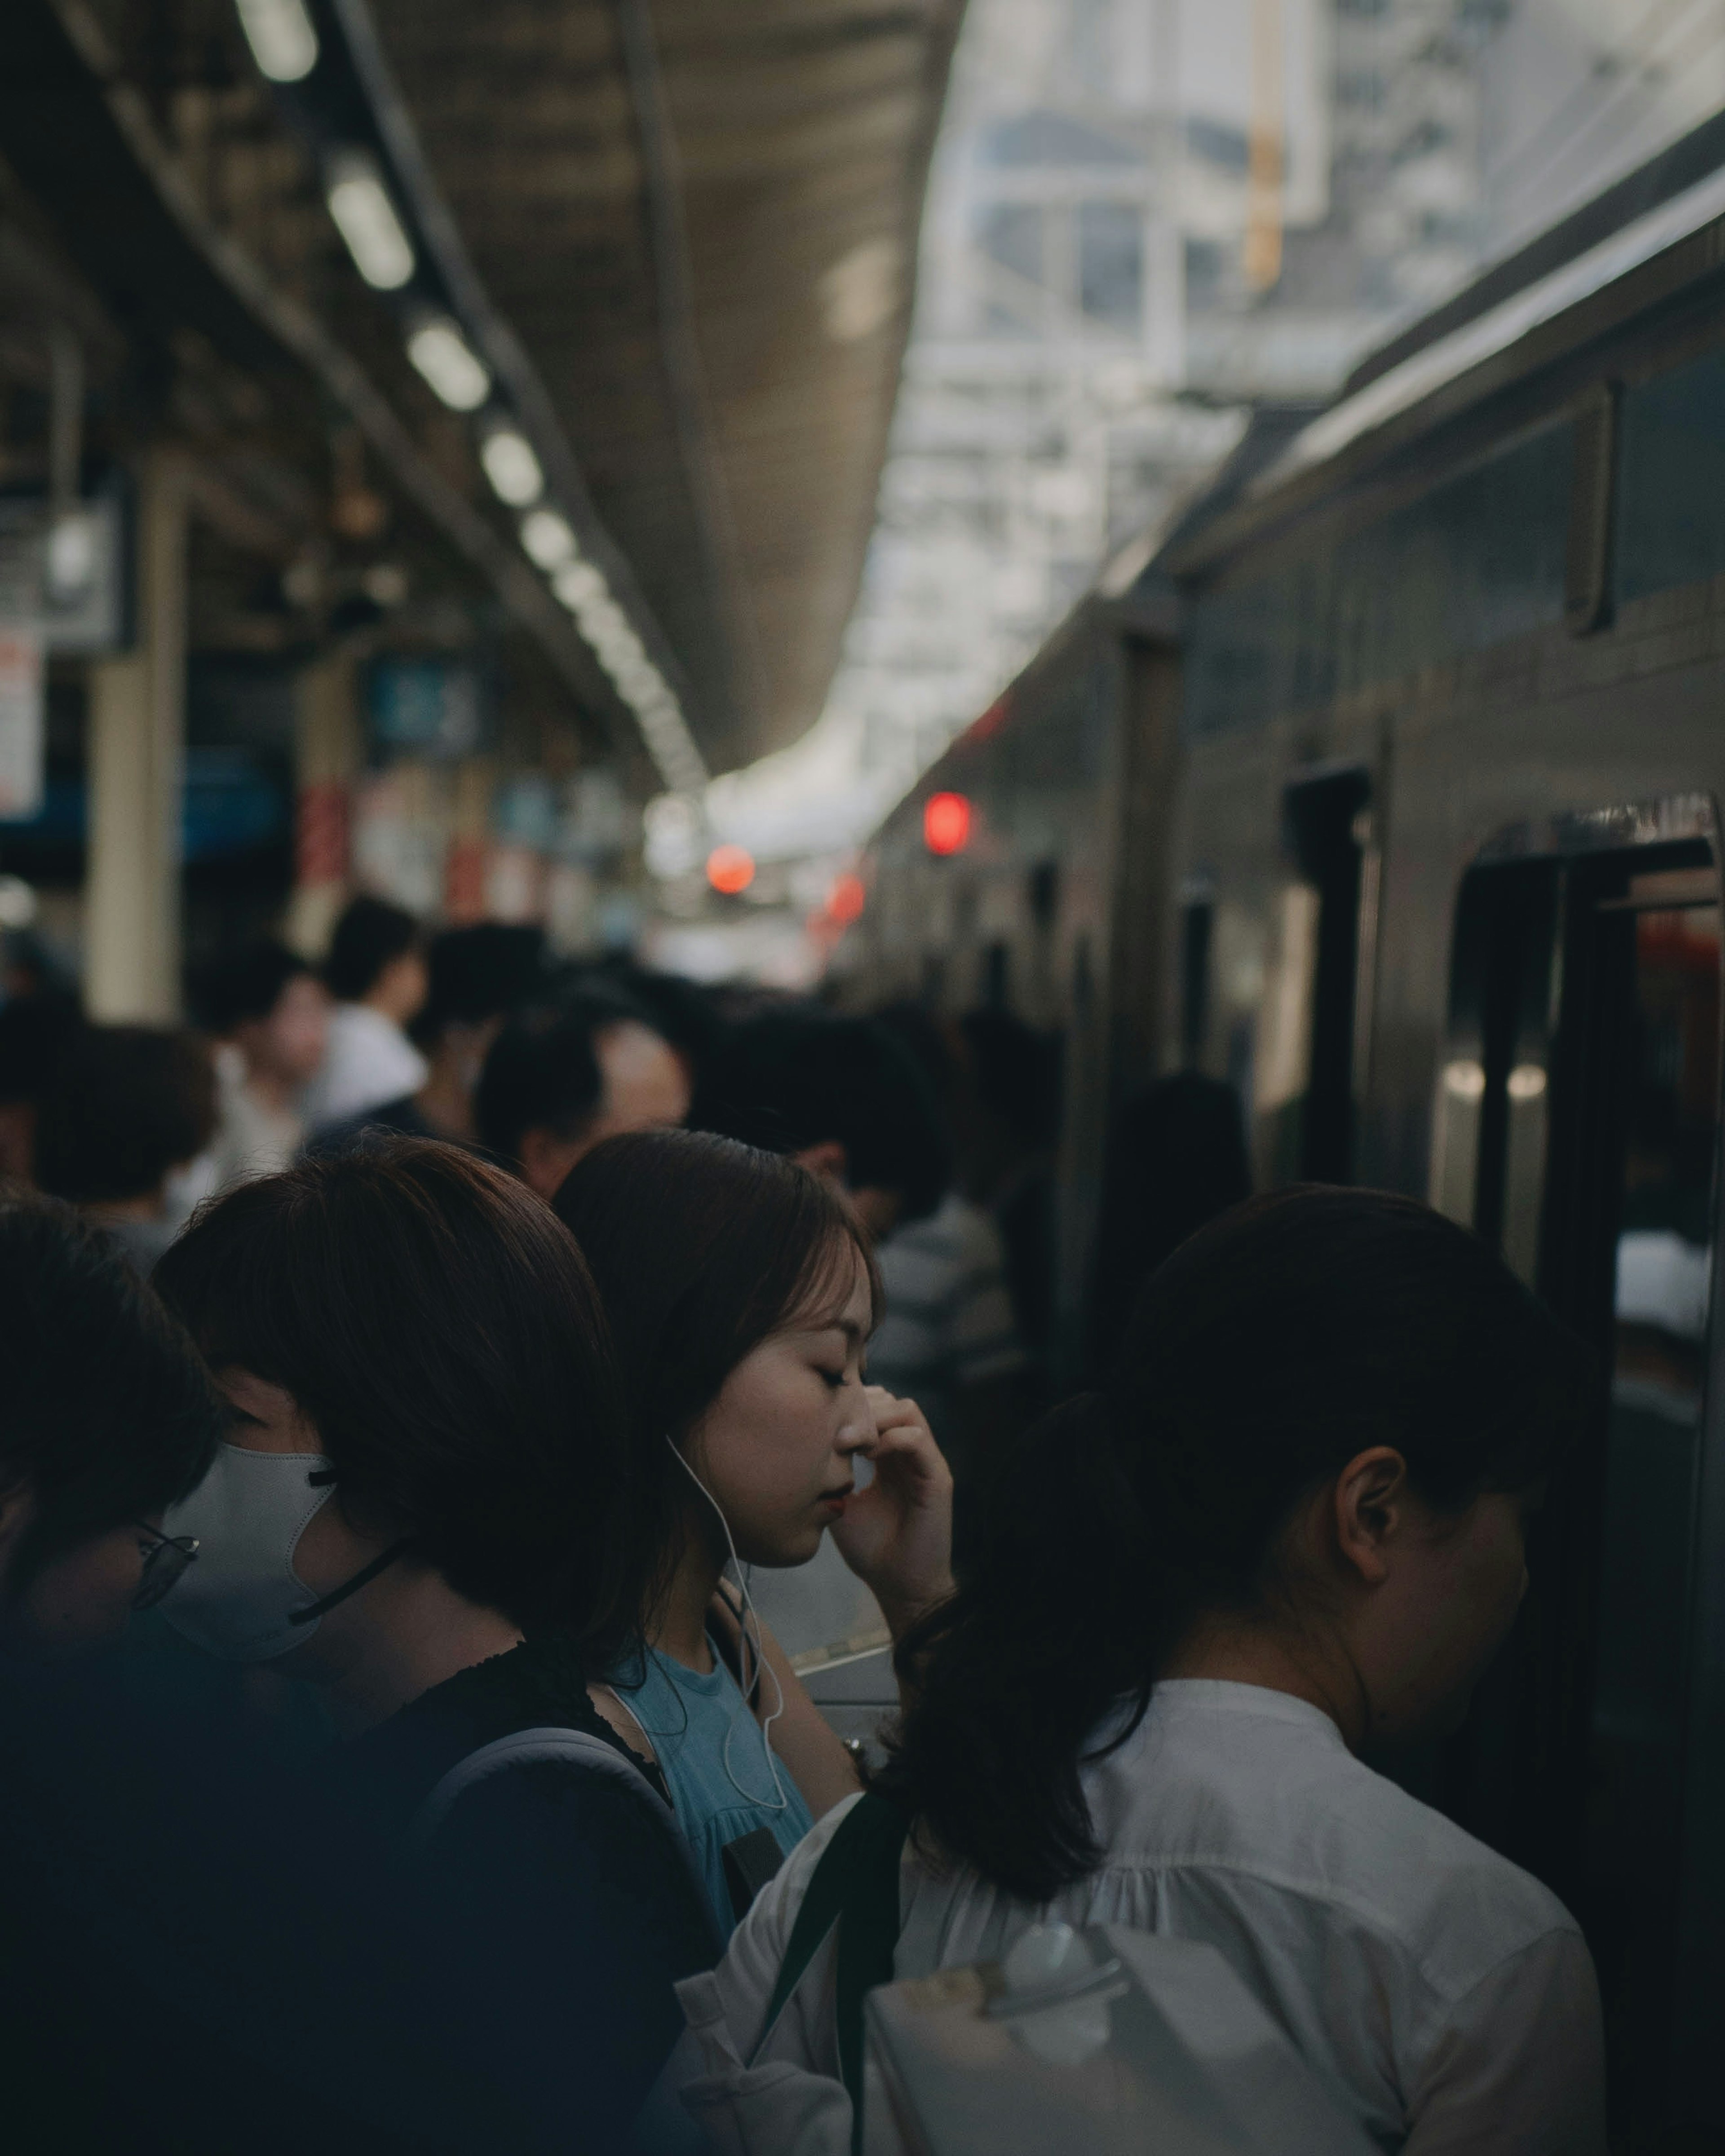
<point>1291,1529</point>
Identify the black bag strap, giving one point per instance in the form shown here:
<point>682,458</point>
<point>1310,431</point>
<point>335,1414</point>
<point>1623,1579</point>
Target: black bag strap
<point>854,1886</point>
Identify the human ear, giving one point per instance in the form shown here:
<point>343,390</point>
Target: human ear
<point>828,1160</point>
<point>1370,1493</point>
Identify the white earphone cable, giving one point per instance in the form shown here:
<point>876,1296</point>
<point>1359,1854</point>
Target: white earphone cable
<point>752,1659</point>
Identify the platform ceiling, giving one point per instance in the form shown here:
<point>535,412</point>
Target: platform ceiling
<point>726,387</point>
<point>698,218</point>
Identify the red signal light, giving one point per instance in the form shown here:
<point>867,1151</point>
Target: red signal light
<point>946,823</point>
<point>846,899</point>
<point>730,870</point>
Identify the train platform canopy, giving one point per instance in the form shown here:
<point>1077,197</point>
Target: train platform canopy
<point>610,301</point>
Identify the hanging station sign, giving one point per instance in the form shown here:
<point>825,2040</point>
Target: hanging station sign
<point>62,577</point>
<point>22,764</point>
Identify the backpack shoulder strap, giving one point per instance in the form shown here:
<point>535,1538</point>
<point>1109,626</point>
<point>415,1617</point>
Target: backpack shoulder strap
<point>576,1748</point>
<point>854,1886</point>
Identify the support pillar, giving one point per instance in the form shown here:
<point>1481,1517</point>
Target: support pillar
<point>327,756</point>
<point>137,752</point>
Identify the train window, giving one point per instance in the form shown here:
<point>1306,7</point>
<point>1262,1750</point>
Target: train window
<point>1577,1128</point>
<point>1488,1155</point>
<point>1322,819</point>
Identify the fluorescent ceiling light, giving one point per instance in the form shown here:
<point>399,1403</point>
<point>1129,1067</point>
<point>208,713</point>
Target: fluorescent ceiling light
<point>365,219</point>
<point>279,33</point>
<point>578,584</point>
<point>449,364</point>
<point>547,539</point>
<point>512,468</point>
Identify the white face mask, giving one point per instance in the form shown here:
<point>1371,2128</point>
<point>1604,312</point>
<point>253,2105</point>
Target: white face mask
<point>248,1513</point>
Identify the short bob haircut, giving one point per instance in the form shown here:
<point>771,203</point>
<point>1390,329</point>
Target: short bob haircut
<point>440,1329</point>
<point>106,1413</point>
<point>701,1248</point>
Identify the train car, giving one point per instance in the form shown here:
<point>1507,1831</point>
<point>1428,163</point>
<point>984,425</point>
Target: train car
<point>1391,792</point>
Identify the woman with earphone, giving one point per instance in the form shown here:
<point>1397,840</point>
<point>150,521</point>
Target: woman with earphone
<point>741,1292</point>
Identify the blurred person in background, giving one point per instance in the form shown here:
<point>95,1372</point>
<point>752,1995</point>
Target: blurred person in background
<point>126,1105</point>
<point>841,1095</point>
<point>1176,1159</point>
<point>566,1072</point>
<point>476,977</point>
<point>35,1030</point>
<point>270,1013</point>
<point>949,1336</point>
<point>685,1013</point>
<point>376,971</point>
<point>1009,1164</point>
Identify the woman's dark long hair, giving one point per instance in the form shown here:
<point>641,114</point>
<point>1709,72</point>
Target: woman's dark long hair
<point>701,1247</point>
<point>1288,1336</point>
<point>437,1326</point>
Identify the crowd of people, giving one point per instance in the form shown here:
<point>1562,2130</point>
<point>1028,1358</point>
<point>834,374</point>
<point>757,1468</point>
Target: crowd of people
<point>407,1374</point>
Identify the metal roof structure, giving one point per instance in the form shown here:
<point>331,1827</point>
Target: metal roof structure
<point>677,243</point>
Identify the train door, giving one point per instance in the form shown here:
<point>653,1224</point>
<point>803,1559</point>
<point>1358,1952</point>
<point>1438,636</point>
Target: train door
<point>1578,1129</point>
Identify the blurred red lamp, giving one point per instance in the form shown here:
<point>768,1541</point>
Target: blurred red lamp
<point>730,870</point>
<point>846,899</point>
<point>946,823</point>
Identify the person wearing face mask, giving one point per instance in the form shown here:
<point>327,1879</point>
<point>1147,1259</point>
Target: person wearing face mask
<point>741,1293</point>
<point>1289,1530</point>
<point>425,1505</point>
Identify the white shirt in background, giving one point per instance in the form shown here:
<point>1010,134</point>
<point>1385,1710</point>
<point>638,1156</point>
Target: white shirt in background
<point>1442,1997</point>
<point>251,1138</point>
<point>369,1060</point>
<point>949,1319</point>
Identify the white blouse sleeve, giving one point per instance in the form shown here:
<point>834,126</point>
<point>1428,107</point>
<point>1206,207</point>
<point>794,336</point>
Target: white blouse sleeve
<point>1518,2068</point>
<point>790,2096</point>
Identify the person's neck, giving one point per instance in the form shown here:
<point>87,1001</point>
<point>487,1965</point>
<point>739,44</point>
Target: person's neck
<point>110,1211</point>
<point>272,1092</point>
<point>445,1103</point>
<point>406,1632</point>
<point>679,1629</point>
<point>384,1005</point>
<point>1314,1667</point>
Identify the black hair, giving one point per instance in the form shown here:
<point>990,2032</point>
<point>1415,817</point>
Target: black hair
<point>1177,1157</point>
<point>789,1079</point>
<point>1017,1072</point>
<point>700,1249</point>
<point>478,973</point>
<point>127,1103</point>
<point>440,1329</point>
<point>540,1072</point>
<point>109,1414</point>
<point>35,1031</point>
<point>1288,1336</point>
<point>370,937</point>
<point>246,985</point>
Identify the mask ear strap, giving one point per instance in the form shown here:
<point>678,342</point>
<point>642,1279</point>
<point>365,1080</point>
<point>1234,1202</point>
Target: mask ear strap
<point>362,1579</point>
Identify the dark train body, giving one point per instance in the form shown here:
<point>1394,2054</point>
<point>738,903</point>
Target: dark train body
<point>1391,792</point>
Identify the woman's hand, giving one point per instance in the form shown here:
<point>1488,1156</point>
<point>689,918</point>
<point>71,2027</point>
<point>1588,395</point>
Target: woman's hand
<point>897,1536</point>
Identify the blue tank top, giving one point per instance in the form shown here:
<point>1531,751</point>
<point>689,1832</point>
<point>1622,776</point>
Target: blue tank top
<point>689,1718</point>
